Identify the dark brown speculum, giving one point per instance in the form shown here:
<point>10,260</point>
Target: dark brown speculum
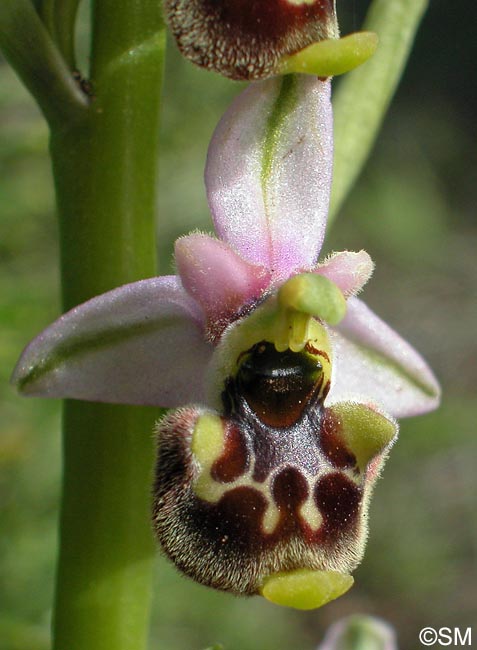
<point>246,39</point>
<point>272,499</point>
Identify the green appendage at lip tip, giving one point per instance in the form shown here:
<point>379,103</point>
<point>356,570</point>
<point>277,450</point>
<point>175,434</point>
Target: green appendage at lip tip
<point>305,589</point>
<point>332,56</point>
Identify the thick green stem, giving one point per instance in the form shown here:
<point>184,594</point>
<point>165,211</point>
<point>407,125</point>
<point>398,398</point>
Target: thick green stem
<point>105,175</point>
<point>105,564</point>
<point>364,95</point>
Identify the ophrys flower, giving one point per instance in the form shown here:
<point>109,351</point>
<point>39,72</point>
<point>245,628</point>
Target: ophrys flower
<point>287,383</point>
<point>260,38</point>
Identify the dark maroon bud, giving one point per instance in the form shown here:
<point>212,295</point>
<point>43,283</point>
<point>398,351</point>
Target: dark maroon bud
<point>248,39</point>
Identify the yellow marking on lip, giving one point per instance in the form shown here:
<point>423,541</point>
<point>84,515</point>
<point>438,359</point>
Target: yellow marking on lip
<point>270,518</point>
<point>311,514</point>
<point>207,445</point>
<point>208,439</point>
<point>206,488</point>
<point>365,432</point>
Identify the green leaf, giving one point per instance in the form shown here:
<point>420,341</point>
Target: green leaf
<point>364,95</point>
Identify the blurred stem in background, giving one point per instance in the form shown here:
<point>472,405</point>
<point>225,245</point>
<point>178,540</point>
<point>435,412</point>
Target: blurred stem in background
<point>103,144</point>
<point>104,136</point>
<point>364,95</point>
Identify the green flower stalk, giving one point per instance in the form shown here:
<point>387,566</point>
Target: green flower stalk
<point>104,154</point>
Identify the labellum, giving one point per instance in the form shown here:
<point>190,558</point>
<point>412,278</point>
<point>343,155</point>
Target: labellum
<point>248,39</point>
<point>272,489</point>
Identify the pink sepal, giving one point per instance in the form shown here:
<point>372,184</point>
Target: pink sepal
<point>374,365</point>
<point>268,173</point>
<point>142,343</point>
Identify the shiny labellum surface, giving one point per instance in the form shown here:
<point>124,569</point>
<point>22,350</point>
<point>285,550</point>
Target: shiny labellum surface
<point>246,39</point>
<point>278,385</point>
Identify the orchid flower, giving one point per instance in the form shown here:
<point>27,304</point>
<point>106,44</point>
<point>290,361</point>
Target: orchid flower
<point>255,40</point>
<point>285,385</point>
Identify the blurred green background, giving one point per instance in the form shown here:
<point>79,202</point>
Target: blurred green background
<point>414,211</point>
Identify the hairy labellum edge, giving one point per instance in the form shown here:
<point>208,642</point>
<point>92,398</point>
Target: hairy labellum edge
<point>247,40</point>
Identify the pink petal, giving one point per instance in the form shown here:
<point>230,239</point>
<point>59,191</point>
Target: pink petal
<point>139,344</point>
<point>373,364</point>
<point>349,271</point>
<point>268,173</point>
<point>220,280</point>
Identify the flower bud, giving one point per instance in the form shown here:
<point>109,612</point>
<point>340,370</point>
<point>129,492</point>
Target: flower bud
<point>359,632</point>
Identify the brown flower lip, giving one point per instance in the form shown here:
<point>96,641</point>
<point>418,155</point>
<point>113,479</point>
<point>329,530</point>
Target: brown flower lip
<point>247,39</point>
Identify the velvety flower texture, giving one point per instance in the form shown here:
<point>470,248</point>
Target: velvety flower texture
<point>255,39</point>
<point>287,384</point>
<point>247,40</point>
